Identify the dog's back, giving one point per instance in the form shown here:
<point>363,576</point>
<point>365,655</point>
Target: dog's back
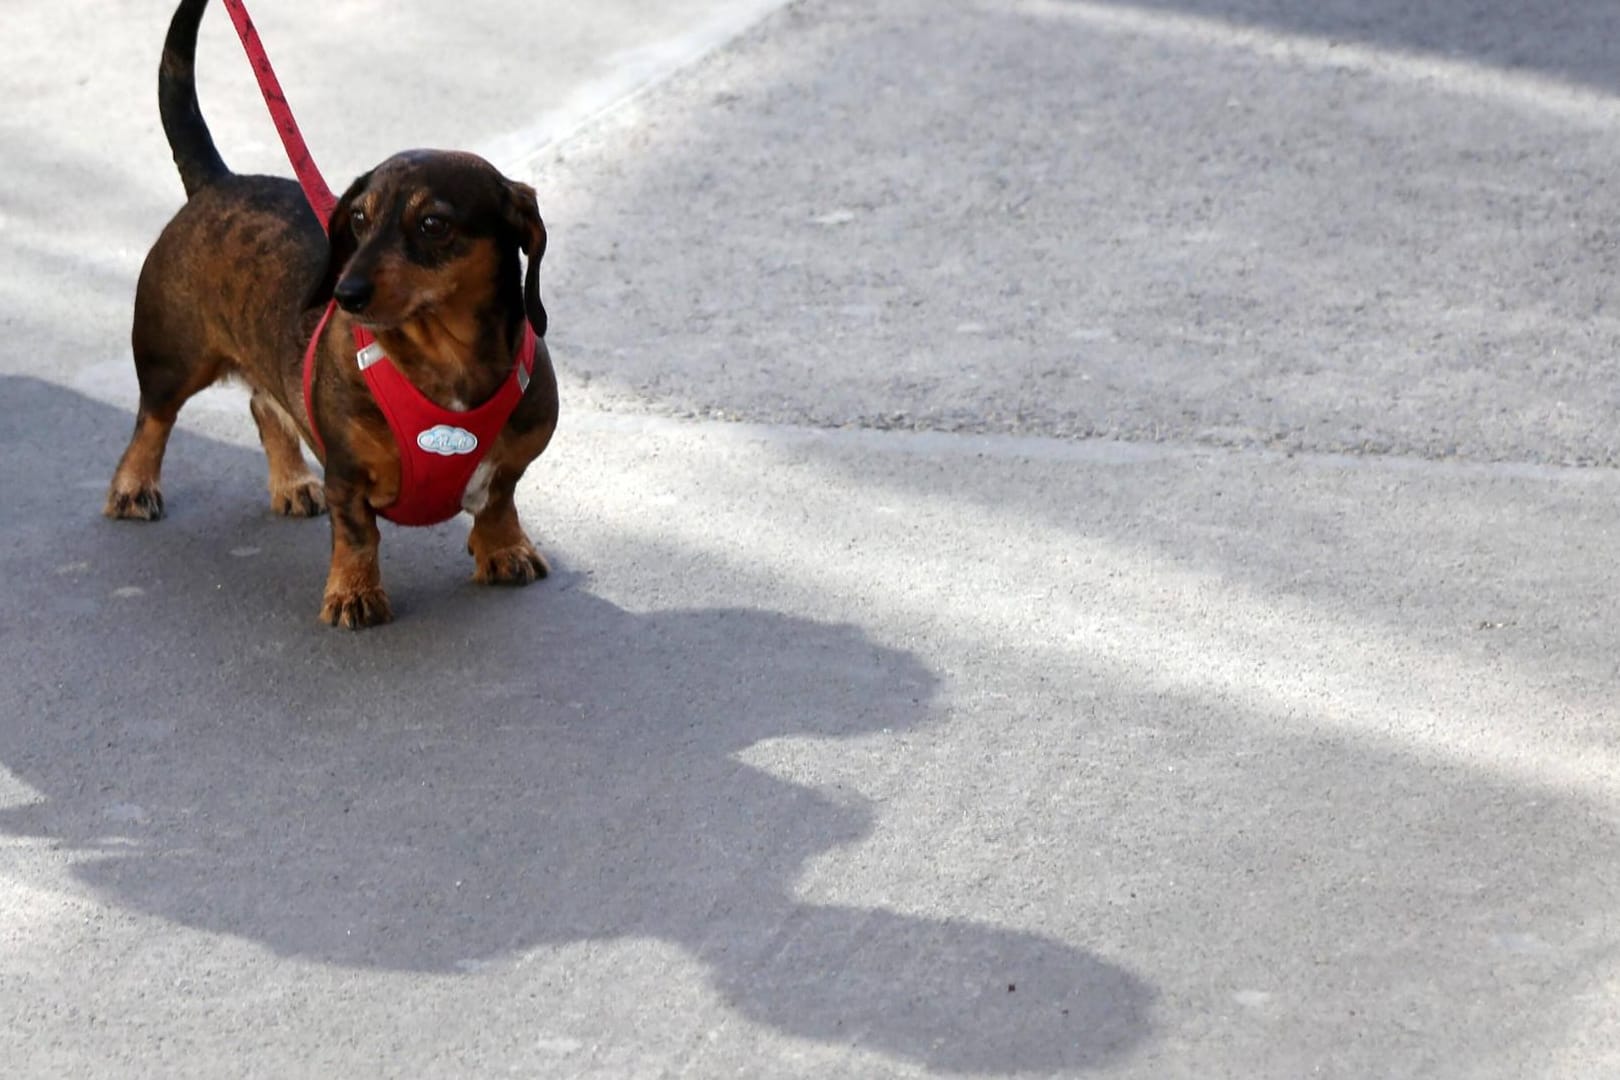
<point>223,285</point>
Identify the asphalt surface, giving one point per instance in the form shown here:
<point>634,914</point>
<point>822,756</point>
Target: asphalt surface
<point>1089,219</point>
<point>1082,539</point>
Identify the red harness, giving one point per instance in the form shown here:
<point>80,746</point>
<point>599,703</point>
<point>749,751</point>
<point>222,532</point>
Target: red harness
<point>439,449</point>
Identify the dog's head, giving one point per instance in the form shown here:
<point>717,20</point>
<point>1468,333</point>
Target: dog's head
<point>427,229</point>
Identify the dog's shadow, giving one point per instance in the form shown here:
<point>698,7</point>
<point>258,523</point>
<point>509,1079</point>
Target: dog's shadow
<point>493,774</point>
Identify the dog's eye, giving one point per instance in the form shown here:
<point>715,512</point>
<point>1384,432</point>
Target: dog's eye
<point>358,221</point>
<point>434,227</point>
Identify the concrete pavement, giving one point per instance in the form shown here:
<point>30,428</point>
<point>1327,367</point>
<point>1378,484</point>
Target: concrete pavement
<point>840,750</point>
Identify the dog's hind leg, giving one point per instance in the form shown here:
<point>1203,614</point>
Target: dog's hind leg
<point>294,490</point>
<point>166,385</point>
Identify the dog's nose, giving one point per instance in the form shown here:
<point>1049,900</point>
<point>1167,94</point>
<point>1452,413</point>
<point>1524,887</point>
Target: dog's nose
<point>353,294</point>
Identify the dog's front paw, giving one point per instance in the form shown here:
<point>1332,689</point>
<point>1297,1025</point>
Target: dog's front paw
<point>356,610</point>
<point>134,502</point>
<point>300,499</point>
<point>519,564</point>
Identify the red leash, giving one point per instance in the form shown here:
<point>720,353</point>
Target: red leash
<point>303,165</point>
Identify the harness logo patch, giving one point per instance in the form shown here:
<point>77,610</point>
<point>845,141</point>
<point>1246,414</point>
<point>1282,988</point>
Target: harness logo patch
<point>447,441</point>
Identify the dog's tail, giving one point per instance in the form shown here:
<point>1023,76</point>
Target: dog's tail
<point>194,152</point>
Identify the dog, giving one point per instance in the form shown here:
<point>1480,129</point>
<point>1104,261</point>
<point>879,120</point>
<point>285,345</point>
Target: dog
<point>422,254</point>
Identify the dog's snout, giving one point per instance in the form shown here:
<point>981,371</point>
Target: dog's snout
<point>353,294</point>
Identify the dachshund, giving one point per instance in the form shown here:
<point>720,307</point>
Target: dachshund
<point>422,254</point>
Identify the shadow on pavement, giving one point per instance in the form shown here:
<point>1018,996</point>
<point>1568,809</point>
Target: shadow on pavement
<point>497,772</point>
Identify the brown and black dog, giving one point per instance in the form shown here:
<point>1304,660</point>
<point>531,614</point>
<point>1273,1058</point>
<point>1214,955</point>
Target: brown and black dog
<point>424,253</point>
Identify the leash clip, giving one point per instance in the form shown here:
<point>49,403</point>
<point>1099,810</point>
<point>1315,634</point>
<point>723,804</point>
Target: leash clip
<point>369,355</point>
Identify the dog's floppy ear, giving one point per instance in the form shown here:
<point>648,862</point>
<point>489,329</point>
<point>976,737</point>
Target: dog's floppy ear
<point>523,216</point>
<point>340,244</point>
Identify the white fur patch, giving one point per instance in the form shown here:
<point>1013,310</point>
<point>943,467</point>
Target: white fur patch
<point>476,497</point>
